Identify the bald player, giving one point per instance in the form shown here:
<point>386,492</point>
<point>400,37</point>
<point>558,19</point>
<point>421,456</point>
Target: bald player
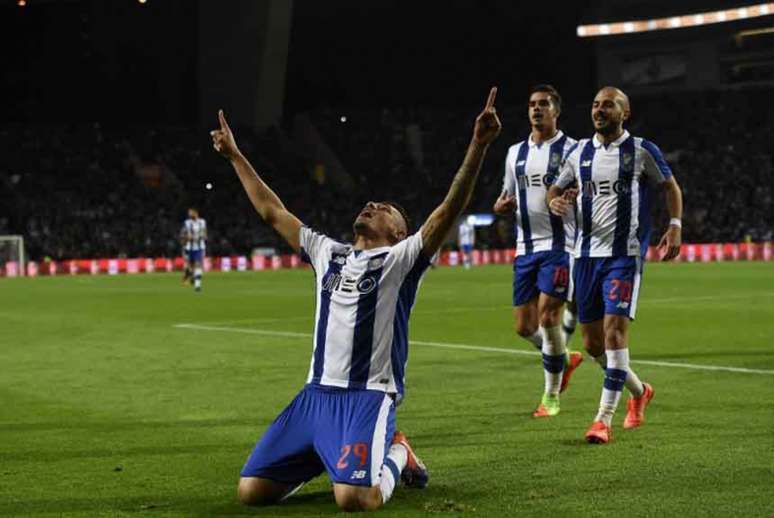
<point>610,178</point>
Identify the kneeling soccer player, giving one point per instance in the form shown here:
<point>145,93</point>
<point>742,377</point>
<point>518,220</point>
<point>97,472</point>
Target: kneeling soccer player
<point>343,420</point>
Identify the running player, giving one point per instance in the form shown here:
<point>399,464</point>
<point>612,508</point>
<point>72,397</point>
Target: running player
<point>343,420</point>
<point>608,177</point>
<point>194,237</point>
<point>541,269</point>
<point>466,238</point>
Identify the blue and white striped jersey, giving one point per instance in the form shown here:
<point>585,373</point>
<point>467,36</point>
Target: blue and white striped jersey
<point>614,191</point>
<point>466,234</point>
<point>195,234</point>
<point>364,299</point>
<point>529,170</point>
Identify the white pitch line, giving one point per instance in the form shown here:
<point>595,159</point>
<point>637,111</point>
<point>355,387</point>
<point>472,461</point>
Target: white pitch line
<point>470,347</point>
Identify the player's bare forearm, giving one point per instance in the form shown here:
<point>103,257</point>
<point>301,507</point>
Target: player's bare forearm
<point>265,201</point>
<point>457,198</point>
<point>674,198</point>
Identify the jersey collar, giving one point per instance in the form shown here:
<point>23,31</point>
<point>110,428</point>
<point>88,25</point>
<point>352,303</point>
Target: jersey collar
<point>548,142</point>
<point>620,140</point>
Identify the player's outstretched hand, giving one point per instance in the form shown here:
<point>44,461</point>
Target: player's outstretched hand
<point>223,139</point>
<point>669,246</point>
<point>505,204</point>
<point>487,124</point>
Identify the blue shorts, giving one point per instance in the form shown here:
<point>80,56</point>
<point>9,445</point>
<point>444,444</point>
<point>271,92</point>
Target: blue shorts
<point>607,286</point>
<point>467,248</point>
<point>547,272</point>
<point>344,432</point>
<point>193,256</point>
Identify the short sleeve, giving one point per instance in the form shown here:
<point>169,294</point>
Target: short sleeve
<point>408,256</point>
<point>657,171</point>
<point>509,179</point>
<point>567,173</point>
<point>313,245</point>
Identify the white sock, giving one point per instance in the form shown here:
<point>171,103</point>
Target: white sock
<point>633,383</point>
<point>536,339</point>
<point>553,358</point>
<point>197,278</point>
<point>393,464</point>
<point>615,377</point>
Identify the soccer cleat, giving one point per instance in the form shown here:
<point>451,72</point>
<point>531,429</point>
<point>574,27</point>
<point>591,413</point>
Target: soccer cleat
<point>576,359</point>
<point>635,414</point>
<point>549,406</point>
<point>599,433</point>
<point>415,472</point>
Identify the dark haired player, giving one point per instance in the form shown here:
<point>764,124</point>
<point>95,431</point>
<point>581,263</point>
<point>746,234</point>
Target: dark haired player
<point>541,269</point>
<point>343,420</point>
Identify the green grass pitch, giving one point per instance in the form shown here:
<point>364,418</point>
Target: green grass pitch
<point>108,409</point>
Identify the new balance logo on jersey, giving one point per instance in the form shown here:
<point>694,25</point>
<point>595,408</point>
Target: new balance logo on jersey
<point>586,163</point>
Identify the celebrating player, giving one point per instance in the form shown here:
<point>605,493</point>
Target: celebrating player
<point>609,177</point>
<point>541,269</point>
<point>194,238</point>
<point>343,420</point>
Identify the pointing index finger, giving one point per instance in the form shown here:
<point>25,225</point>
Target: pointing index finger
<point>490,101</point>
<point>222,119</point>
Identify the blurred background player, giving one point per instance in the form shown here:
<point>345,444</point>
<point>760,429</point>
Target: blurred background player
<point>541,269</point>
<point>614,171</point>
<point>466,238</point>
<point>194,237</point>
<point>343,421</point>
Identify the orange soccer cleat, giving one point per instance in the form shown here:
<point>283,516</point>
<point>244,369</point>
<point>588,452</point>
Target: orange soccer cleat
<point>576,359</point>
<point>415,472</point>
<point>635,414</point>
<point>599,433</point>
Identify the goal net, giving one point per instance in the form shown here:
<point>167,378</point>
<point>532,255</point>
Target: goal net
<point>12,255</point>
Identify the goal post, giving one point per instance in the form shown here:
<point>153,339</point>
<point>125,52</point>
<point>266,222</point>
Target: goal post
<point>12,251</point>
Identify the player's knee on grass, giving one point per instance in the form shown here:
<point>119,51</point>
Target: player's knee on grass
<point>260,491</point>
<point>357,498</point>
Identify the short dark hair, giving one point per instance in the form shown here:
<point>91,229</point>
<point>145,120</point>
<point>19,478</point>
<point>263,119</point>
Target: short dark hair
<point>397,206</point>
<point>552,92</point>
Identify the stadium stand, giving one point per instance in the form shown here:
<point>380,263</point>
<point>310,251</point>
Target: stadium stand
<point>92,191</point>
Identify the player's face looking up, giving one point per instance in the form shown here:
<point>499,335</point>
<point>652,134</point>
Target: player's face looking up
<point>609,111</point>
<point>542,110</point>
<point>379,219</point>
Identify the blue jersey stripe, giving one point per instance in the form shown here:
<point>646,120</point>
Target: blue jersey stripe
<point>623,219</point>
<point>363,339</point>
<point>406,297</point>
<point>587,189</point>
<point>521,185</point>
<point>557,223</point>
<point>322,322</point>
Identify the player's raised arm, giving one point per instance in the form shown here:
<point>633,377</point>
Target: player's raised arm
<point>265,201</point>
<point>445,215</point>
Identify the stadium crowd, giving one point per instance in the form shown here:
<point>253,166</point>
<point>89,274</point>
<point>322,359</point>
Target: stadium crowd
<point>94,191</point>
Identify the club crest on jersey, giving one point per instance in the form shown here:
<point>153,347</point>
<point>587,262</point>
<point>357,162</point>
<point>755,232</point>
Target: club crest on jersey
<point>555,160</point>
<point>375,262</point>
<point>628,161</point>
